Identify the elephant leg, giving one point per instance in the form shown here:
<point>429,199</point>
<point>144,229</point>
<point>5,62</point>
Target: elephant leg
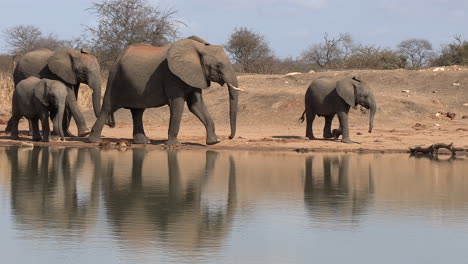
<point>45,127</point>
<point>96,131</point>
<point>9,125</point>
<point>327,133</point>
<point>198,108</point>
<point>310,116</point>
<point>14,120</point>
<point>343,117</point>
<point>72,105</point>
<point>176,106</point>
<point>139,136</point>
<point>35,129</point>
<point>54,135</point>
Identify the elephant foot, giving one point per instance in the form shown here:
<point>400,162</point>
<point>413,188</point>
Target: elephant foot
<point>15,137</point>
<point>45,140</point>
<point>346,140</point>
<point>336,133</point>
<point>37,138</point>
<point>141,139</point>
<point>67,133</point>
<point>311,137</point>
<point>54,137</point>
<point>84,132</point>
<point>172,142</point>
<point>94,139</point>
<point>328,135</point>
<point>212,141</point>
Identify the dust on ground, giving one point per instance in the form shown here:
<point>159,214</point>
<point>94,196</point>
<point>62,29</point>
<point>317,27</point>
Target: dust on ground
<point>414,108</point>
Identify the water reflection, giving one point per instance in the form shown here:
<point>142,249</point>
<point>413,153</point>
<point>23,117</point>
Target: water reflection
<point>215,206</point>
<point>44,193</point>
<point>328,195</point>
<point>169,209</point>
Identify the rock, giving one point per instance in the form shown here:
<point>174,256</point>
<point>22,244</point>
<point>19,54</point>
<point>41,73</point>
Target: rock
<point>378,140</point>
<point>437,114</point>
<point>465,117</point>
<point>293,73</point>
<point>311,71</point>
<point>419,126</point>
<point>437,125</point>
<point>405,91</point>
<point>465,104</point>
<point>455,84</point>
<point>451,115</point>
<point>434,91</point>
<point>359,133</point>
<point>438,69</point>
<point>27,144</point>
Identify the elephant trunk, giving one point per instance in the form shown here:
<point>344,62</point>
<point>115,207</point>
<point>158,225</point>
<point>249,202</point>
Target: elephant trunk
<point>233,102</point>
<point>372,108</point>
<point>94,83</point>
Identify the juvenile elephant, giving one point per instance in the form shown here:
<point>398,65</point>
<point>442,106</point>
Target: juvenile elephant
<point>34,98</point>
<point>70,66</point>
<point>326,97</point>
<point>144,76</point>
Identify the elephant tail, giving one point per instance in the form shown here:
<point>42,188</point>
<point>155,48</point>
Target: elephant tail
<point>301,119</point>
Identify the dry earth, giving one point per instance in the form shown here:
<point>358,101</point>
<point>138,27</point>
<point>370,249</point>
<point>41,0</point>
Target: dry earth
<point>270,106</point>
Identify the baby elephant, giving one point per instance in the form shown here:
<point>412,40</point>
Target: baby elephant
<point>326,97</point>
<point>34,98</point>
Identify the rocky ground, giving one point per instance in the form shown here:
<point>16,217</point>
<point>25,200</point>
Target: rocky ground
<point>414,108</point>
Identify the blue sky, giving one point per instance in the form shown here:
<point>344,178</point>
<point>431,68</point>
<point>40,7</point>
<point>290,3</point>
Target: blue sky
<point>289,25</point>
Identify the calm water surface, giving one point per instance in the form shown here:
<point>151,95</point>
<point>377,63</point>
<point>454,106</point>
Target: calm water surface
<point>68,205</point>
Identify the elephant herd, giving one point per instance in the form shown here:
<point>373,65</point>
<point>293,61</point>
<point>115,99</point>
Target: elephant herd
<point>145,76</point>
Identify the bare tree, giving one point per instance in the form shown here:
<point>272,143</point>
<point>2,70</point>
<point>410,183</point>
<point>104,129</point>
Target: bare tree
<point>23,38</point>
<point>455,53</point>
<point>373,57</point>
<point>250,49</point>
<point>125,22</point>
<point>330,53</point>
<point>418,51</point>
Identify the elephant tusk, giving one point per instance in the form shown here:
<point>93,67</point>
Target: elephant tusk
<point>236,88</point>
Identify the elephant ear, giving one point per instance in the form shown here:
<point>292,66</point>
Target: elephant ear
<point>62,63</point>
<point>185,58</point>
<point>40,92</point>
<point>346,90</point>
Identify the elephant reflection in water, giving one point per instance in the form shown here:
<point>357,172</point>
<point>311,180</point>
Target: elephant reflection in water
<point>168,212</point>
<point>44,191</point>
<point>335,198</point>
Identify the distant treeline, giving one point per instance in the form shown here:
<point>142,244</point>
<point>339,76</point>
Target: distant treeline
<point>124,22</point>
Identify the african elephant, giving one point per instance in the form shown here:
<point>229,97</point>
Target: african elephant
<point>326,97</point>
<point>34,98</point>
<point>144,76</point>
<point>70,66</point>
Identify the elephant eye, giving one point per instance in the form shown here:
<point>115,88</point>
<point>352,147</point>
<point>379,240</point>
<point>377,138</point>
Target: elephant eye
<point>219,65</point>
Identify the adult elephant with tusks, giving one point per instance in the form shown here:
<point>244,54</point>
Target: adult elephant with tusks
<point>145,76</point>
<point>70,66</point>
<point>327,97</point>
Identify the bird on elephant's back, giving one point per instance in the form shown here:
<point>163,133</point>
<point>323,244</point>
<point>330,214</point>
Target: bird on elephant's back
<point>327,97</point>
<point>70,66</point>
<point>144,76</point>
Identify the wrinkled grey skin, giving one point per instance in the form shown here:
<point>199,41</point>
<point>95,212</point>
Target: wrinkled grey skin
<point>70,66</point>
<point>34,98</point>
<point>144,76</point>
<point>326,97</point>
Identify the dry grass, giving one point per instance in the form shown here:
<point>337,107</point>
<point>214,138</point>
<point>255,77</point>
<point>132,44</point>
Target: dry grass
<point>6,92</point>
